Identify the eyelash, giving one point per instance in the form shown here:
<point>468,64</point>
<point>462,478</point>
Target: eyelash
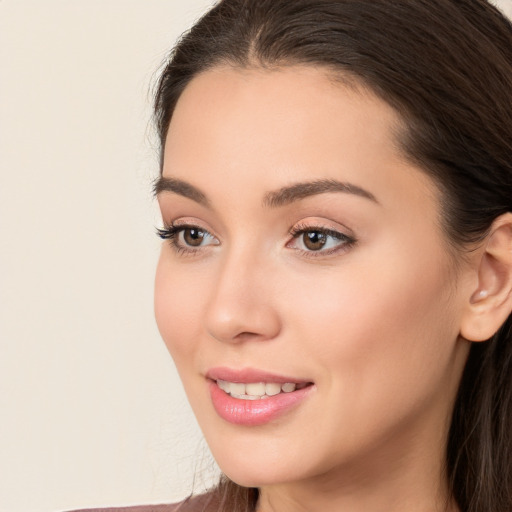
<point>172,232</point>
<point>346,242</point>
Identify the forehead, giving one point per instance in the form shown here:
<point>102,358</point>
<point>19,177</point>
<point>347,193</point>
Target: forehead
<point>260,127</point>
<point>273,107</point>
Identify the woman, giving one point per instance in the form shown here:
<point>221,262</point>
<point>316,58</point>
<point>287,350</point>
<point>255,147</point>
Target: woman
<point>335,285</point>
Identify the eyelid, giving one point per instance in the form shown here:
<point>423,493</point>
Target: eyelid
<point>188,222</point>
<point>345,240</point>
<point>172,232</point>
<point>320,224</point>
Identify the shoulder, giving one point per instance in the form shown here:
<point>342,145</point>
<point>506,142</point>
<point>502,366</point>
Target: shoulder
<point>139,508</point>
<point>202,503</point>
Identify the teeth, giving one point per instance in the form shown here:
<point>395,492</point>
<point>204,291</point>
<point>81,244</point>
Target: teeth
<point>237,388</point>
<point>223,385</point>
<point>257,390</point>
<point>272,389</point>
<point>246,397</point>
<point>288,387</point>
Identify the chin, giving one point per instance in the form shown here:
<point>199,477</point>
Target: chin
<point>247,475</point>
<point>262,460</point>
<point>250,466</point>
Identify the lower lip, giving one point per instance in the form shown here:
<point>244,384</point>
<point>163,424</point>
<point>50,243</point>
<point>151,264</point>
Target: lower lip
<point>254,412</point>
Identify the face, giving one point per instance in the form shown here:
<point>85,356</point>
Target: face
<point>304,288</point>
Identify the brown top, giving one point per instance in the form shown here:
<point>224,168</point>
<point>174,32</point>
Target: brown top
<point>202,503</point>
<point>137,508</point>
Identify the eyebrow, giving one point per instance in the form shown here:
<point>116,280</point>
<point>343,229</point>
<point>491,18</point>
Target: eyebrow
<point>298,191</point>
<point>275,199</point>
<point>180,187</point>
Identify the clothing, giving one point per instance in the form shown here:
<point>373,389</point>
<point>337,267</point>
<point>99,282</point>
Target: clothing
<point>202,503</point>
<point>138,508</point>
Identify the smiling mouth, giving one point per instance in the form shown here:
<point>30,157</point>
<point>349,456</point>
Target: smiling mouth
<point>259,390</point>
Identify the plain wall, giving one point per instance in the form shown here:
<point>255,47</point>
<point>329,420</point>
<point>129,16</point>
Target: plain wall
<point>92,411</point>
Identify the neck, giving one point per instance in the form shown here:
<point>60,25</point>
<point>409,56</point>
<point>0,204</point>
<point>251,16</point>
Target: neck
<point>407,476</point>
<point>393,493</point>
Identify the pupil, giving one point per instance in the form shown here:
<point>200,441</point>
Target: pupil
<point>193,237</point>
<point>314,240</point>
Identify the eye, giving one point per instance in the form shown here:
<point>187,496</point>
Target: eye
<point>193,236</point>
<point>187,238</point>
<point>313,239</point>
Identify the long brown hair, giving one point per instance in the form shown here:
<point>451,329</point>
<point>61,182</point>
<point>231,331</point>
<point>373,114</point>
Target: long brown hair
<point>446,67</point>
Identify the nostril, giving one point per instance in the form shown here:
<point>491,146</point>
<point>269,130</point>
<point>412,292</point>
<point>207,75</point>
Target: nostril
<point>243,336</point>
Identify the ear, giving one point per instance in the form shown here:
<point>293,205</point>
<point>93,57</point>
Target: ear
<point>490,302</point>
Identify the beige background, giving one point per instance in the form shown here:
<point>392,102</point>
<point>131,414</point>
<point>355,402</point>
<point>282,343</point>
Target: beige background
<point>92,412</point>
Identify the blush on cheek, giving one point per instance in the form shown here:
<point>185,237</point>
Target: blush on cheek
<point>177,305</point>
<point>169,308</point>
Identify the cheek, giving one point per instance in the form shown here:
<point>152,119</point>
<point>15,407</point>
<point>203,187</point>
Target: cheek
<point>178,309</point>
<point>376,328</point>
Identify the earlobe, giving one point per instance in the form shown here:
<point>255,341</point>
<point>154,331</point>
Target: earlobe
<point>490,303</point>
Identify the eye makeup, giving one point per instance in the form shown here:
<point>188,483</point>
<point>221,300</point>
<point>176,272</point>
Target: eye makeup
<point>318,241</point>
<point>309,240</point>
<point>187,238</point>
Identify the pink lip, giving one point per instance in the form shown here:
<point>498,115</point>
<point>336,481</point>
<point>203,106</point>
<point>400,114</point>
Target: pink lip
<point>253,412</point>
<point>246,375</point>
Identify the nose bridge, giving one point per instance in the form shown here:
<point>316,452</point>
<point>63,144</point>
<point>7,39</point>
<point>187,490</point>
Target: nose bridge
<point>241,305</point>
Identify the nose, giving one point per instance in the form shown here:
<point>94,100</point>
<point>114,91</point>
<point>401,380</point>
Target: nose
<point>242,306</point>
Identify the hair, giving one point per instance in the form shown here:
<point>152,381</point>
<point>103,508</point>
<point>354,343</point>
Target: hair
<point>445,66</point>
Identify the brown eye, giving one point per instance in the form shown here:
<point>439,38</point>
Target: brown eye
<point>193,236</point>
<point>314,240</point>
<point>317,240</point>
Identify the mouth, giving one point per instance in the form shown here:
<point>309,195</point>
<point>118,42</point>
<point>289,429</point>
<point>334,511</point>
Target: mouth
<point>259,390</point>
<point>252,397</point>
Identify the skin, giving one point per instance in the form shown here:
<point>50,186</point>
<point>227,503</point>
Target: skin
<point>374,325</point>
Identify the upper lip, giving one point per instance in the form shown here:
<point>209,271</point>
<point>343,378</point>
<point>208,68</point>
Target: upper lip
<point>247,375</point>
